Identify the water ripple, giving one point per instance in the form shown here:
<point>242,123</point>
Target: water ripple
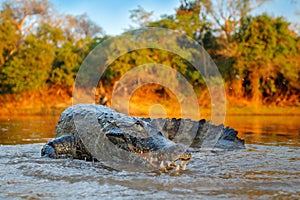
<point>257,172</point>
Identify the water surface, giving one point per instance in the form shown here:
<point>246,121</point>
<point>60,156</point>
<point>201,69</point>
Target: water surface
<point>27,129</point>
<point>268,168</point>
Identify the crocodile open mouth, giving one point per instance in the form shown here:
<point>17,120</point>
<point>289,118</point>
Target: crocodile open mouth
<point>157,150</point>
<point>178,164</point>
<point>163,163</point>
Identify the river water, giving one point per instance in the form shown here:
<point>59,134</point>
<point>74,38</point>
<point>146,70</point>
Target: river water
<point>269,167</point>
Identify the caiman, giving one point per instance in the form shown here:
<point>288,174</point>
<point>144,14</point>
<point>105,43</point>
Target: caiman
<point>89,131</point>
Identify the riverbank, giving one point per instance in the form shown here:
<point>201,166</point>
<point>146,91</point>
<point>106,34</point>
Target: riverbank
<point>50,101</point>
<point>54,101</point>
<point>29,108</point>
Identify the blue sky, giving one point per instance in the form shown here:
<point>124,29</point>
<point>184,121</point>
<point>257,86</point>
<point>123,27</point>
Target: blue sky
<point>113,15</point>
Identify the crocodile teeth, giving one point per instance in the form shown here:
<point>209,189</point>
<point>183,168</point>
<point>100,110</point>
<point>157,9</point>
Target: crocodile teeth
<point>169,164</point>
<point>177,167</point>
<point>163,167</point>
<point>162,164</point>
<point>184,165</point>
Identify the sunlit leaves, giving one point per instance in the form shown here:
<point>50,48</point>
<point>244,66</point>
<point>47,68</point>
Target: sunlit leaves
<point>268,50</point>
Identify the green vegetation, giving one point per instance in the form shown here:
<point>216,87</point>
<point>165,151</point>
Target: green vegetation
<point>258,56</point>
<point>39,50</point>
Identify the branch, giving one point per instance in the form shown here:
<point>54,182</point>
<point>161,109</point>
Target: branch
<point>259,3</point>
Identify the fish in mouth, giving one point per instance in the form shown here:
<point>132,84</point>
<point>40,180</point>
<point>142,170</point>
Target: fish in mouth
<point>157,150</point>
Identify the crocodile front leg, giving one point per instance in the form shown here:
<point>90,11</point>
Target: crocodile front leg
<point>64,145</point>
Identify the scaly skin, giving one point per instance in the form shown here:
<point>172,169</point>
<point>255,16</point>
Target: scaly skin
<point>201,133</point>
<point>81,127</point>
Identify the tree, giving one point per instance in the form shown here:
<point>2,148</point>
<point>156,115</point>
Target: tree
<point>189,19</point>
<point>68,59</point>
<point>26,13</point>
<point>140,16</point>
<point>78,27</point>
<point>38,49</point>
<point>266,49</point>
<point>227,17</point>
<point>29,69</point>
<point>9,37</point>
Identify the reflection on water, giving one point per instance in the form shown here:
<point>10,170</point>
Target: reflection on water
<point>267,169</point>
<point>268,130</point>
<point>27,129</point>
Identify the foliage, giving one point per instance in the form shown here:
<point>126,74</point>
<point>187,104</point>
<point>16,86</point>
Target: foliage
<point>21,70</point>
<point>266,49</point>
<point>258,56</point>
<point>37,50</point>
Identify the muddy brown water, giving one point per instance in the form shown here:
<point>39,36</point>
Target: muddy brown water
<point>269,167</point>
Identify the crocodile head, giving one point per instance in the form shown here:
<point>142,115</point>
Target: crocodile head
<point>157,150</point>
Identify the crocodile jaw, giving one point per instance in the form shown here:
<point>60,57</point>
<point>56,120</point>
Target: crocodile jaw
<point>157,150</point>
<point>163,164</point>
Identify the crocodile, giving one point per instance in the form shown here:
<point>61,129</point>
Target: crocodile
<point>95,132</point>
